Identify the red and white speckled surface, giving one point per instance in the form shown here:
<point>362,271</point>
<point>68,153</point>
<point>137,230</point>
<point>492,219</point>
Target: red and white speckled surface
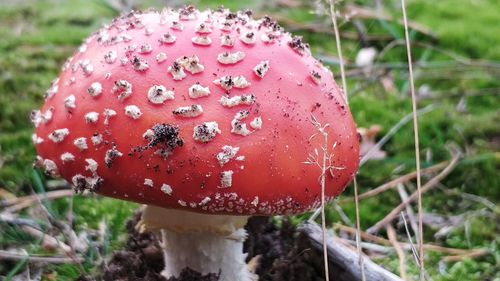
<point>266,176</point>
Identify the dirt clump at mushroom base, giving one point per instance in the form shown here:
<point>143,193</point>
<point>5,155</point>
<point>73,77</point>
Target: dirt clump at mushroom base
<point>282,253</point>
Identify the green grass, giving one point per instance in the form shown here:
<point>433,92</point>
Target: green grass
<point>37,36</point>
<point>464,27</point>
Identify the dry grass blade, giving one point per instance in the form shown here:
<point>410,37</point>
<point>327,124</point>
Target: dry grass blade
<point>412,246</point>
<point>409,210</point>
<point>342,214</point>
<point>490,205</point>
<point>121,6</point>
<point>344,87</point>
<point>7,255</point>
<point>455,57</point>
<point>339,48</point>
<point>430,184</point>
<point>32,228</point>
<point>358,229</point>
<point>339,211</point>
<point>417,145</point>
<point>371,247</point>
<point>48,241</point>
<point>293,25</point>
<point>29,199</point>
<point>354,11</point>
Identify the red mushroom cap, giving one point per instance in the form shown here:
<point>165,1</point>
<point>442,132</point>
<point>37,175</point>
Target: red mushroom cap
<point>204,111</point>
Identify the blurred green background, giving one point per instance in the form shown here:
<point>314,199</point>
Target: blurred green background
<point>457,68</point>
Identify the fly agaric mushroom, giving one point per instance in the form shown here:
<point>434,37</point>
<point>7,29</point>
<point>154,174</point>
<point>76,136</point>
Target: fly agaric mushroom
<point>204,117</point>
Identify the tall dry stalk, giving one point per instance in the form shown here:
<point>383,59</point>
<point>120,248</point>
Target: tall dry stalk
<point>344,86</point>
<point>420,240</point>
<point>324,161</point>
<point>322,164</point>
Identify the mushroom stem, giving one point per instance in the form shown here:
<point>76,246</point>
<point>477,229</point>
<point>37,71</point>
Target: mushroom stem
<point>204,243</point>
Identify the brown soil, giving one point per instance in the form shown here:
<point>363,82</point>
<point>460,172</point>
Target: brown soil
<point>285,255</point>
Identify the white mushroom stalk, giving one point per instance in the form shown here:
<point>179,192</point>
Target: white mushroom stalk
<point>204,243</point>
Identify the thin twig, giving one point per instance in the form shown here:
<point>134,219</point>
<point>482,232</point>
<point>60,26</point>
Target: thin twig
<point>19,203</point>
<point>62,228</point>
<point>391,233</point>
<point>369,246</point>
<point>406,246</point>
<point>409,211</point>
<point>364,235</point>
<point>394,183</point>
<point>32,228</point>
<point>389,249</point>
<point>471,254</point>
<point>430,184</point>
<point>345,258</point>
<point>452,55</point>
